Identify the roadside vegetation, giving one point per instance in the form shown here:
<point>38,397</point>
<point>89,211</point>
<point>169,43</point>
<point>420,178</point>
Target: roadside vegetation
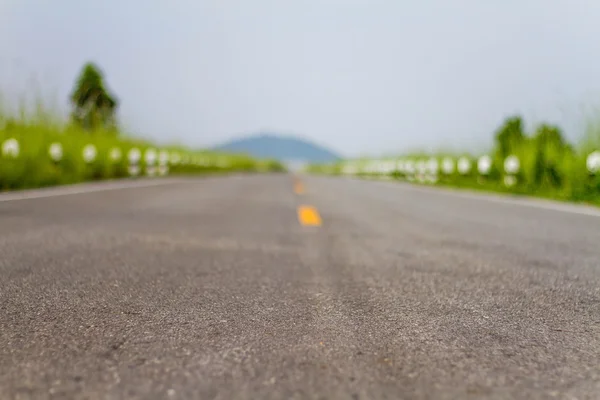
<point>38,149</point>
<point>539,163</point>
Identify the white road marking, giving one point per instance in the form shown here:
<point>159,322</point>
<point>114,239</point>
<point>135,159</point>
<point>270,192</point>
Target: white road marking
<point>81,189</point>
<point>497,198</point>
<point>103,186</point>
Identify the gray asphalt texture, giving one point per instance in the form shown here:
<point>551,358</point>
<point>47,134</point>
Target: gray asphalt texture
<point>211,289</point>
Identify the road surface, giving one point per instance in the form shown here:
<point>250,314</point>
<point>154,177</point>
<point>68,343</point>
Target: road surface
<point>221,288</point>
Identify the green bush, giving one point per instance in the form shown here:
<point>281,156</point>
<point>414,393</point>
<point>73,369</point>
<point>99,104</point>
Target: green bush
<point>33,166</point>
<point>549,165</point>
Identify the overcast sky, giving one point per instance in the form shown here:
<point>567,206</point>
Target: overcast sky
<point>360,76</point>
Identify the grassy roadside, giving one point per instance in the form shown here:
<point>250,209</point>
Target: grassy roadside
<point>36,151</point>
<point>498,189</point>
<point>542,164</point>
<point>583,187</point>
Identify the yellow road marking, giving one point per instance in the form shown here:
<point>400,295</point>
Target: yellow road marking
<point>298,188</point>
<point>309,216</point>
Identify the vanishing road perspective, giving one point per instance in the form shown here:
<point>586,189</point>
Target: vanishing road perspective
<point>292,286</point>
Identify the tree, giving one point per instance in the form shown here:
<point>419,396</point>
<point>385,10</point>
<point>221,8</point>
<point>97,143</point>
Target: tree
<point>93,106</point>
<point>550,149</point>
<point>509,136</point>
<point>550,136</point>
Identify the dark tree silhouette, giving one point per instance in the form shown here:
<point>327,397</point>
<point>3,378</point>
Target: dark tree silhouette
<point>93,106</point>
<point>550,148</point>
<point>509,136</point>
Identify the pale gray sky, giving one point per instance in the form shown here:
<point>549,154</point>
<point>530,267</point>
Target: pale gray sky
<point>361,76</point>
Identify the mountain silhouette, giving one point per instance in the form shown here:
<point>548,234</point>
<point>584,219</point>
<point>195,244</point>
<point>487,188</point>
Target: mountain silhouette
<point>278,147</point>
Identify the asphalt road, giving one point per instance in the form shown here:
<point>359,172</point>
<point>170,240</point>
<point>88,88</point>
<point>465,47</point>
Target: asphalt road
<point>213,289</point>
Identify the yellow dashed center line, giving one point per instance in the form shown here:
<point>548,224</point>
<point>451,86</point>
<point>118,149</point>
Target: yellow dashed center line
<point>298,188</point>
<point>309,216</point>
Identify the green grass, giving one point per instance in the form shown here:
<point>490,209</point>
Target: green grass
<point>36,131</point>
<point>547,170</point>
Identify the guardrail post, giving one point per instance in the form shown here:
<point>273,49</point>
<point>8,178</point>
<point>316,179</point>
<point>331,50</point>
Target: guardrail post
<point>511,168</point>
<point>484,167</point>
<point>134,156</point>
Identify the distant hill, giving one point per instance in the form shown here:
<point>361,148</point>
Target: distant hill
<point>278,147</point>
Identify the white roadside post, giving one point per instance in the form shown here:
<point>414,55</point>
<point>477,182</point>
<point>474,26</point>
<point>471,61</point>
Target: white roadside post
<point>433,167</point>
<point>448,166</point>
<point>379,168</point>
<point>383,169</point>
<point>163,169</point>
<point>593,163</point>
<point>163,163</point>
<point>484,167</point>
<point>401,171</point>
<point>150,160</point>
<point>390,168</point>
<point>89,153</point>
<point>115,155</point>
<point>421,166</point>
<point>11,148</point>
<point>511,168</point>
<point>410,170</point>
<point>464,166</point>
<point>55,151</point>
<point>134,156</point>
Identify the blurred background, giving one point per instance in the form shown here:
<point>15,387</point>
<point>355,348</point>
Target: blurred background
<point>262,86</point>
